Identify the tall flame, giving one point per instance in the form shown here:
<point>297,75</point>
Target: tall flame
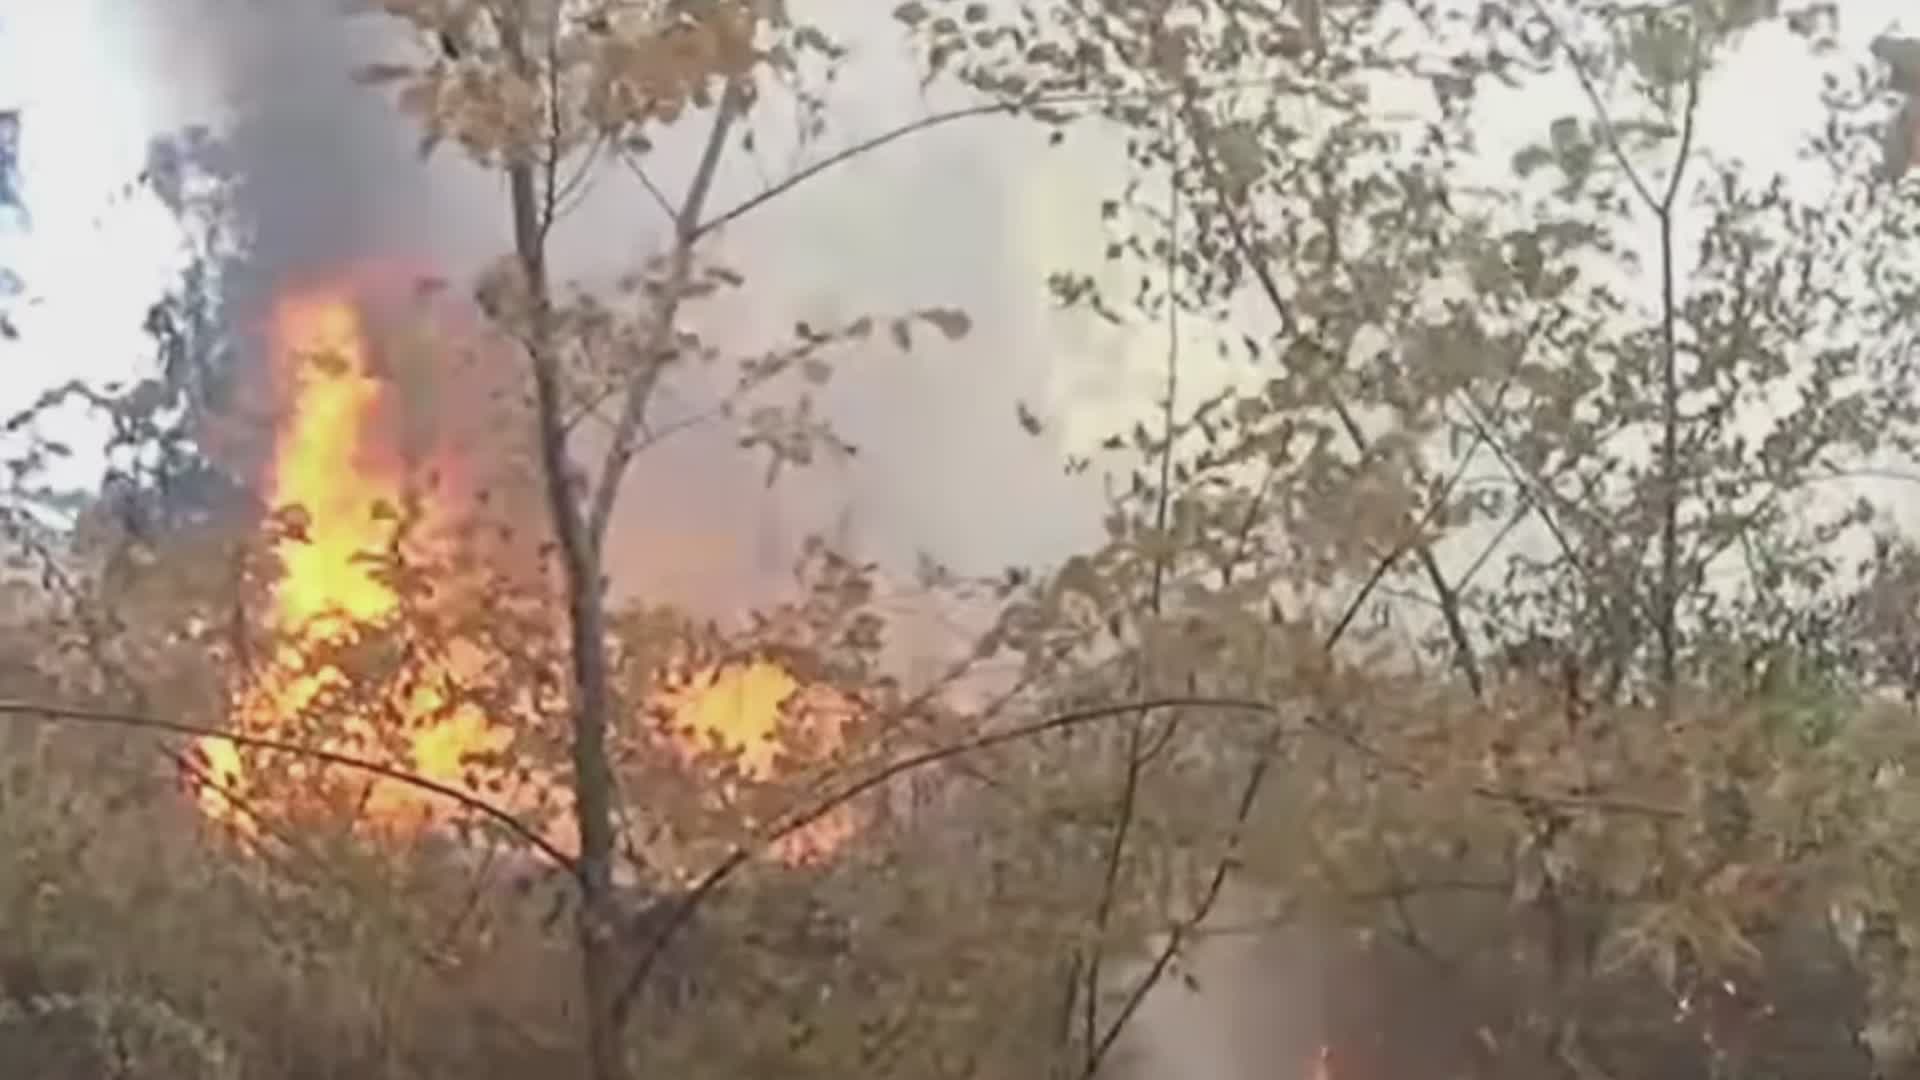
<point>320,463</point>
<point>334,460</point>
<point>330,462</point>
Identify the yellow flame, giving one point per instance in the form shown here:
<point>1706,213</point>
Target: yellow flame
<point>319,465</point>
<point>327,464</point>
<point>743,708</point>
<point>739,706</point>
<point>330,461</point>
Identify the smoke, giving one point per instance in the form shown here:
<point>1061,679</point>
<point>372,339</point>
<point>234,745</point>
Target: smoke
<point>972,216</point>
<point>323,178</point>
<point>328,174</point>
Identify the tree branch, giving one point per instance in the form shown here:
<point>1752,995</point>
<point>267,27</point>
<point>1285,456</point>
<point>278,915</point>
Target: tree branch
<point>845,155</point>
<point>1137,757</point>
<point>1178,935</point>
<point>658,352</point>
<point>1598,101</point>
<point>1447,596</point>
<point>732,863</point>
<point>1669,612</point>
<point>40,711</point>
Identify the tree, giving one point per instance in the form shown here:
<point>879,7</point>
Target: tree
<point>1475,600</point>
<point>1441,385</point>
<point>531,91</point>
<point>184,599</point>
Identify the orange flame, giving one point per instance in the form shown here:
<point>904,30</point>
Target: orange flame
<point>329,463</point>
<point>743,708</point>
<point>334,460</point>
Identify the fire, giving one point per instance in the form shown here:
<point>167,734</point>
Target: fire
<point>739,707</point>
<point>320,465</point>
<point>332,463</point>
<point>743,708</point>
<point>335,460</point>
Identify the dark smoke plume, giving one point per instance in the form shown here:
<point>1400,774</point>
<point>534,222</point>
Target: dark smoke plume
<point>327,174</point>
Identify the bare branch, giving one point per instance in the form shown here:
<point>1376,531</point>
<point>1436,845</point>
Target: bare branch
<point>658,352</point>
<point>841,157</point>
<point>1669,611</point>
<point>1599,103</point>
<point>45,711</point>
<point>640,172</point>
<point>925,123</point>
<point>1137,755</point>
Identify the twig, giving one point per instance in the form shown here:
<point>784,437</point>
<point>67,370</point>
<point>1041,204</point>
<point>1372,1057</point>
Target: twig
<point>1599,102</point>
<point>939,119</point>
<point>842,156</point>
<point>731,864</point>
<point>657,353</point>
<point>1669,612</point>
<point>1126,803</point>
<point>27,710</point>
<point>640,173</point>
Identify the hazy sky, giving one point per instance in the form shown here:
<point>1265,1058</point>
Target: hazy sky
<point>85,73</point>
<point>97,253</point>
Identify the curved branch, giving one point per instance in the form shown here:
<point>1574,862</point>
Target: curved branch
<point>691,900</point>
<point>914,127</point>
<point>1599,102</point>
<point>1448,596</point>
<point>1138,755</point>
<point>35,711</point>
<point>843,156</point>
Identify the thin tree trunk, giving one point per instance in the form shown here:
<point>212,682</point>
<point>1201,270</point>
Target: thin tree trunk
<point>586,617</point>
<point>591,693</point>
<point>1670,463</point>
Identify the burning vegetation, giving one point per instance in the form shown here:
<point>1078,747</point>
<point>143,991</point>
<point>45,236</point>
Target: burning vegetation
<point>1470,594</point>
<point>743,711</point>
<point>338,484</point>
<point>346,491</point>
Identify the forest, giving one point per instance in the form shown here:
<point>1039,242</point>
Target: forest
<point>1490,650</point>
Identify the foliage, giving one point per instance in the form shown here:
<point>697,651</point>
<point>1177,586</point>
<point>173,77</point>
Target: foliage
<point>1493,598</point>
<point>13,207</point>
<point>1431,386</point>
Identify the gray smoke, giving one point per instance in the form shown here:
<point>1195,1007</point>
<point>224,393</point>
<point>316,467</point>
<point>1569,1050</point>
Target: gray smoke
<point>322,175</point>
<point>328,173</point>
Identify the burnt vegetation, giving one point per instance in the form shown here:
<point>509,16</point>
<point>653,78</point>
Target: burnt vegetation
<point>1507,585</point>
